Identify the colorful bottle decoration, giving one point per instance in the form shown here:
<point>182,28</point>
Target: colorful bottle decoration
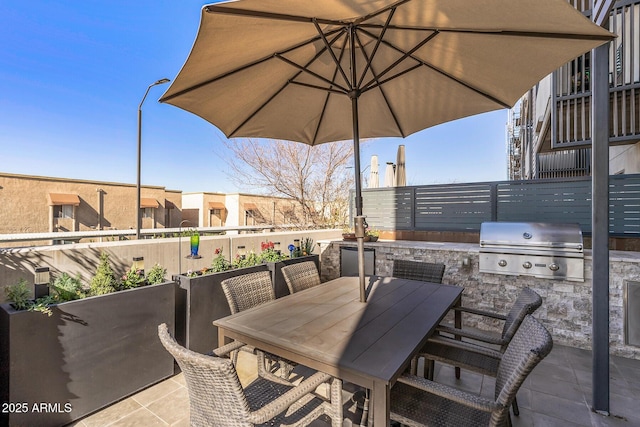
<point>195,244</point>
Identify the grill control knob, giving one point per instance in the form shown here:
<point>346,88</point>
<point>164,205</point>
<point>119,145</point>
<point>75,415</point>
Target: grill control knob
<point>554,267</point>
<point>502,263</point>
<point>527,264</point>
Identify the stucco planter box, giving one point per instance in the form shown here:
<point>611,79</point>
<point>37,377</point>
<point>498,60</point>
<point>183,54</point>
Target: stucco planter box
<point>88,354</point>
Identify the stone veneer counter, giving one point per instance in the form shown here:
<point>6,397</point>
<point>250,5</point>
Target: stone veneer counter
<point>566,307</point>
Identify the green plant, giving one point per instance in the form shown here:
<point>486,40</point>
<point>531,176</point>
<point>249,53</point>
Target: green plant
<point>157,274</point>
<point>133,278</point>
<point>219,262</point>
<point>269,254</point>
<point>306,247</point>
<point>249,260</point>
<point>43,305</point>
<point>67,288</point>
<point>18,295</point>
<point>373,232</point>
<point>104,281</point>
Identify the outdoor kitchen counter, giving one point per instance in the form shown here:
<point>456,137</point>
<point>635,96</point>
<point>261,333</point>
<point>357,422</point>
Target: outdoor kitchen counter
<point>566,308</point>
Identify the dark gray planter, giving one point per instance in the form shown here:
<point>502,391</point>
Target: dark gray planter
<point>200,301</point>
<point>89,354</point>
<point>279,284</point>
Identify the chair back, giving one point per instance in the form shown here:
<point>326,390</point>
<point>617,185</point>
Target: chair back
<point>528,302</point>
<point>416,270</point>
<point>301,276</point>
<point>248,290</point>
<point>531,343</point>
<point>216,397</point>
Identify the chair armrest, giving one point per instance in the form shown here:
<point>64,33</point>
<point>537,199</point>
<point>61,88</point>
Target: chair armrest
<point>226,349</point>
<point>478,336</point>
<point>453,394</point>
<point>283,402</point>
<point>479,312</point>
<point>462,345</point>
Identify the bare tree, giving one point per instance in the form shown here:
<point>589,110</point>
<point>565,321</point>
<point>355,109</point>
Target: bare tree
<point>316,177</point>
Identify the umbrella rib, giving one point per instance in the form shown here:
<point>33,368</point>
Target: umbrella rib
<point>291,81</point>
<point>326,99</point>
<point>375,48</point>
<point>449,76</point>
<point>268,15</point>
<point>333,55</point>
<point>511,33</point>
<point>306,70</point>
<point>244,67</point>
<point>405,55</point>
<point>384,96</point>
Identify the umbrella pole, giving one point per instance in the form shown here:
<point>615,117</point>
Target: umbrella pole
<point>359,222</point>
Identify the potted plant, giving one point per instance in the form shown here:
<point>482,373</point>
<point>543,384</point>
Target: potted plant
<point>348,234</point>
<point>81,348</point>
<point>373,234</point>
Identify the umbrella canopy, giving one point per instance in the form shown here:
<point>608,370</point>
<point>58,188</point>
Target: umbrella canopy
<point>389,175</point>
<point>401,169</point>
<point>331,70</point>
<point>374,173</point>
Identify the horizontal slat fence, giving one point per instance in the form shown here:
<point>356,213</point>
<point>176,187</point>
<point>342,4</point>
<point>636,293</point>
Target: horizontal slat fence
<point>464,207</point>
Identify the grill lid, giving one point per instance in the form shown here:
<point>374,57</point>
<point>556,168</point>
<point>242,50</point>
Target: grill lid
<point>527,236</point>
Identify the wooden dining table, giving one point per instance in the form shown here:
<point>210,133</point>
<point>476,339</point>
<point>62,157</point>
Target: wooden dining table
<point>327,328</point>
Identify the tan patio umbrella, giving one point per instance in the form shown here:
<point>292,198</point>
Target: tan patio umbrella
<point>374,173</point>
<point>401,168</point>
<point>389,175</point>
<point>330,70</point>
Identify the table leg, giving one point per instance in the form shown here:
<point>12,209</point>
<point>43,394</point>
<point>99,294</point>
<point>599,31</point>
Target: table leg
<point>458,325</point>
<point>379,404</point>
<point>222,339</point>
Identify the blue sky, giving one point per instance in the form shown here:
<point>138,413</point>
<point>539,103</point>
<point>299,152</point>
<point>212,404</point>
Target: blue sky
<point>72,74</point>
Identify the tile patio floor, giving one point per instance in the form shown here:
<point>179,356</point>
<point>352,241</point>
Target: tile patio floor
<point>557,393</point>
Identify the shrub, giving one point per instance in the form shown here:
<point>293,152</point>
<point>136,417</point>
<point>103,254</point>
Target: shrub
<point>67,288</point>
<point>156,274</point>
<point>133,278</point>
<point>18,295</point>
<point>104,281</point>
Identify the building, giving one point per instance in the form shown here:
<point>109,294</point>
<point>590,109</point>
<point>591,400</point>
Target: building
<point>238,209</point>
<point>553,136</point>
<point>37,204</point>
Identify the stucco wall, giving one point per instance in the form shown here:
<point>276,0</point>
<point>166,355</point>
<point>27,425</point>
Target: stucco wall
<point>566,308</point>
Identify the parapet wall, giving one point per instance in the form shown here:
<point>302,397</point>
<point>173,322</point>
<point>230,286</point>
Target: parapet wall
<point>566,309</point>
<point>82,258</point>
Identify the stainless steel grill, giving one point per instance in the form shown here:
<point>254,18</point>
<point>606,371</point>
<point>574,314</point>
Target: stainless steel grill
<point>551,251</point>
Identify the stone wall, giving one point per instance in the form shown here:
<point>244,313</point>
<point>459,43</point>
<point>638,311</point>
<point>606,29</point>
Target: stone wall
<point>566,308</point>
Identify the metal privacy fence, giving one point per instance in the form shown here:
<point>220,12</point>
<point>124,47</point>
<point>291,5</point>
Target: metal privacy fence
<point>463,207</point>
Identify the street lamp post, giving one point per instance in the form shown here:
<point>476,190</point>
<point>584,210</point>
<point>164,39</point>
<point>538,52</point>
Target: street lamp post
<point>138,213</point>
<point>184,221</point>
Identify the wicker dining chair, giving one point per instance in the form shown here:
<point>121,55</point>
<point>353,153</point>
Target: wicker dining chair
<point>417,401</point>
<point>247,291</point>
<point>417,270</point>
<point>301,276</point>
<point>216,397</point>
<point>483,354</point>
